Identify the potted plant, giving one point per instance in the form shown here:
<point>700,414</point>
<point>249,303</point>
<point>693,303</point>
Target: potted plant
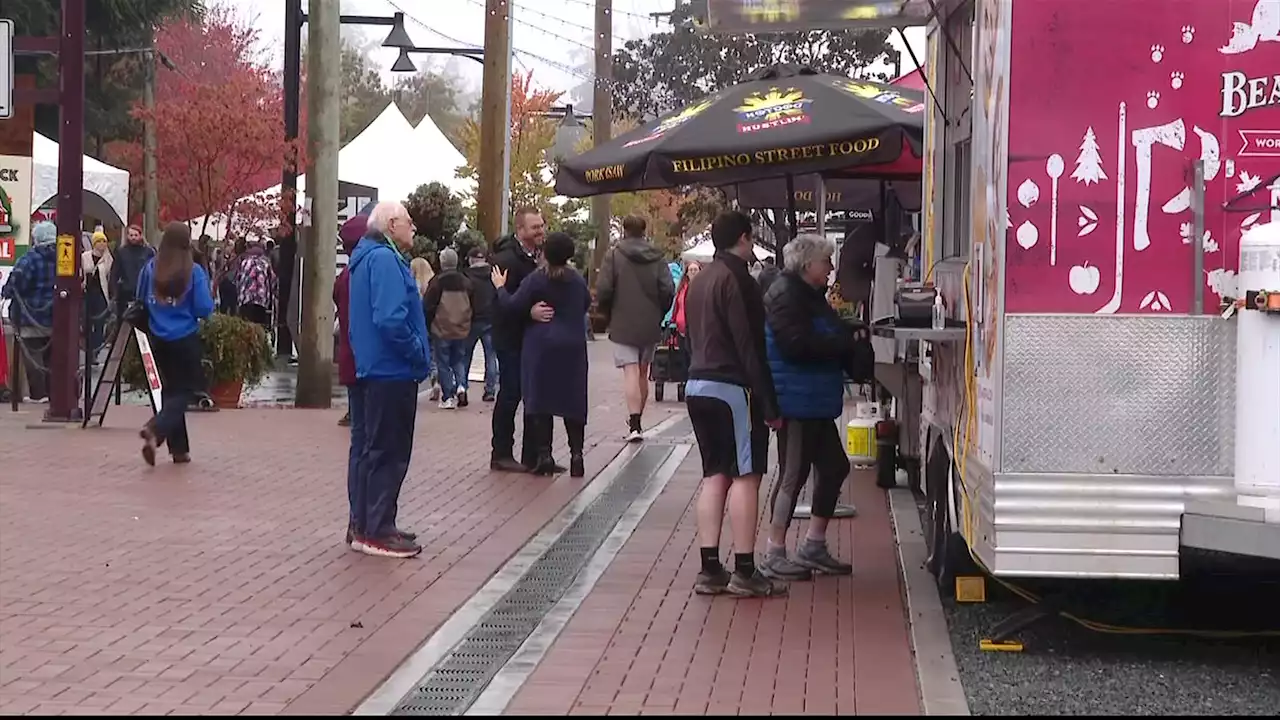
<point>237,353</point>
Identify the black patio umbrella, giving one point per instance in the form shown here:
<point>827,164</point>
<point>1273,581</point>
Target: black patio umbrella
<point>784,120</point>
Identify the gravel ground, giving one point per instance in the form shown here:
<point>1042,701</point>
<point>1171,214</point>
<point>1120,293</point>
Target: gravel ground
<point>1068,670</point>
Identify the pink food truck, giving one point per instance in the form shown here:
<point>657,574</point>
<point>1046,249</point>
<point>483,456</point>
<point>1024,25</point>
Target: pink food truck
<point>1113,399</point>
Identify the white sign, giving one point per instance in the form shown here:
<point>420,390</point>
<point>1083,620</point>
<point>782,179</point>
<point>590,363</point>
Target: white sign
<point>6,69</point>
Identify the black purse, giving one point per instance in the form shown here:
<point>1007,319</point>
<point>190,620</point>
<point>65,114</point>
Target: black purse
<point>137,316</point>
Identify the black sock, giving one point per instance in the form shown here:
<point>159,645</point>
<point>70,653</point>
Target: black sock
<point>711,560</point>
<point>744,564</point>
<point>635,422</point>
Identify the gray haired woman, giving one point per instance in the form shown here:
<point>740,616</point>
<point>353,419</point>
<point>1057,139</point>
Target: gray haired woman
<point>811,350</point>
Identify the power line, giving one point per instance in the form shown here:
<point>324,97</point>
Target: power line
<point>545,60</point>
<point>592,5</point>
<point>541,29</point>
<point>560,20</point>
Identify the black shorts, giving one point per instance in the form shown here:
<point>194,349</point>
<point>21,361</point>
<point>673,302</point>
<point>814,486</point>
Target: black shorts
<point>732,436</point>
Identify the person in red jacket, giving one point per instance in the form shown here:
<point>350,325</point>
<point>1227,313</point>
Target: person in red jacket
<point>350,234</point>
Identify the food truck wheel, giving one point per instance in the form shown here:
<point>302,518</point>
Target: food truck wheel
<point>658,391</point>
<point>948,553</point>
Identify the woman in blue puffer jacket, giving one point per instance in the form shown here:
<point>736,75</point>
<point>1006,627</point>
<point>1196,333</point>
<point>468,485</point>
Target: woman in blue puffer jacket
<point>811,350</point>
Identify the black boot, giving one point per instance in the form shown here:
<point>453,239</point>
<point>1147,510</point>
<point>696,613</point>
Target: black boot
<point>576,432</point>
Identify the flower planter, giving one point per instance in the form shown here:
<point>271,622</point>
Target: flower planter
<point>227,395</point>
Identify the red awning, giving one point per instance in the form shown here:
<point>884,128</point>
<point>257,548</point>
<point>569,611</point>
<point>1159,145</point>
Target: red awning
<point>913,80</point>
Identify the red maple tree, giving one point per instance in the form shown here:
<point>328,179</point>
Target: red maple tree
<point>219,122</point>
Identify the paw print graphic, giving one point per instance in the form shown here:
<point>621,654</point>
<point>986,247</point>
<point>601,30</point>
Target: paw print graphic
<point>1157,53</point>
<point>1153,99</point>
<point>1175,80</point>
<point>1188,34</point>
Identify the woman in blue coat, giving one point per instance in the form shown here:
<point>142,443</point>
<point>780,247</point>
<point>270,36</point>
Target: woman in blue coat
<point>553,362</point>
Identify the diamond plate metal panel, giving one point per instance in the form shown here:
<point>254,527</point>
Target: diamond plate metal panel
<point>1143,395</point>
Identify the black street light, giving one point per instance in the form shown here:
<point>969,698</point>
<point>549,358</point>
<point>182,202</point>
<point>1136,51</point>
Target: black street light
<point>404,63</point>
<point>570,133</point>
<point>295,19</point>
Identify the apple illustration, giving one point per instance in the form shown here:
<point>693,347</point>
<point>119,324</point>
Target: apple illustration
<point>1084,279</point>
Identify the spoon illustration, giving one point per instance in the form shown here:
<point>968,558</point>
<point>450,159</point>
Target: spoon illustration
<point>1054,167</point>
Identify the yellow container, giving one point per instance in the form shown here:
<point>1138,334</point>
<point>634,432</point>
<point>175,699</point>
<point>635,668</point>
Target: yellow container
<point>860,441</point>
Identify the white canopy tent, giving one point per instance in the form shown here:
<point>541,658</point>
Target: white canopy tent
<point>705,250</point>
<point>388,155</point>
<point>107,181</point>
<point>443,159</point>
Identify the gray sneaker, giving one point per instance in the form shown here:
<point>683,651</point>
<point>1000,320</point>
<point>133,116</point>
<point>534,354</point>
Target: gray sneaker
<point>756,586</point>
<point>712,583</point>
<point>817,557</point>
<point>777,566</point>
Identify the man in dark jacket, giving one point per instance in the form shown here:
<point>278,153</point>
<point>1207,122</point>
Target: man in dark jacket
<point>811,350</point>
<point>517,256</point>
<point>483,301</point>
<point>634,290</point>
<point>130,257</point>
<point>732,405</point>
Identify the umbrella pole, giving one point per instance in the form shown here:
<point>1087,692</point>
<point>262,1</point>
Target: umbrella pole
<point>821,205</point>
<point>791,214</point>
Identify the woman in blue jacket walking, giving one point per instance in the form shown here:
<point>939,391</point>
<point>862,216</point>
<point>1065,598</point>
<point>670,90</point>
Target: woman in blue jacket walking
<point>177,294</point>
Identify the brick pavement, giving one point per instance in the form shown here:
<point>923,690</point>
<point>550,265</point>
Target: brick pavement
<point>222,587</point>
<point>643,643</point>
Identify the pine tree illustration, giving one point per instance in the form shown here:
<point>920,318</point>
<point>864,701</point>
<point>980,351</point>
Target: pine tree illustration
<point>1089,163</point>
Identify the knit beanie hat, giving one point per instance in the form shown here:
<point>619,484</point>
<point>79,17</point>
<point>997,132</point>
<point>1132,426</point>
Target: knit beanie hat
<point>448,259</point>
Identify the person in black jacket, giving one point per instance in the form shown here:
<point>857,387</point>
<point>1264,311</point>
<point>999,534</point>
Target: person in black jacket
<point>811,350</point>
<point>732,405</point>
<point>517,256</point>
<point>130,257</point>
<point>478,271</point>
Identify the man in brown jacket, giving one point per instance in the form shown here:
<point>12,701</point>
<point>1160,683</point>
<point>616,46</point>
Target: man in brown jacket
<point>634,290</point>
<point>732,404</point>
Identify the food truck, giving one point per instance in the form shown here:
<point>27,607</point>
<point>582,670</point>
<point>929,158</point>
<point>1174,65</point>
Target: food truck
<point>1090,171</point>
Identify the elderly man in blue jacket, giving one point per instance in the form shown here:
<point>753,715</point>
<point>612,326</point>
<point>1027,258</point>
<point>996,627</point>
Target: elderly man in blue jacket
<point>811,350</point>
<point>388,334</point>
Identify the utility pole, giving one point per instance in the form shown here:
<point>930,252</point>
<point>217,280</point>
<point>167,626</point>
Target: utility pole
<point>150,191</point>
<point>505,214</point>
<point>494,132</point>
<point>64,391</point>
<point>288,239</point>
<point>602,126</point>
<point>315,347</point>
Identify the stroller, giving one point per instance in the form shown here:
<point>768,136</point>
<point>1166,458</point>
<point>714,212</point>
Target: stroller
<point>670,363</point>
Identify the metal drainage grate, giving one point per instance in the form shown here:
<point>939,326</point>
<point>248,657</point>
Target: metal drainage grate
<point>458,680</point>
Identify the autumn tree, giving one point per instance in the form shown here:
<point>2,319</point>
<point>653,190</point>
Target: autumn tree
<point>668,70</point>
<point>219,121</point>
<point>532,133</point>
<point>113,82</point>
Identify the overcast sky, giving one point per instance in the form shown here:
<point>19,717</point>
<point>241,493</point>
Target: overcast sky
<point>552,37</point>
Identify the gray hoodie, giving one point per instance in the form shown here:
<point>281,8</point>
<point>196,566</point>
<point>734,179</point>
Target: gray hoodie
<point>635,290</point>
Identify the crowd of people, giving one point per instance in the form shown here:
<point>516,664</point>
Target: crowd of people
<point>765,353</point>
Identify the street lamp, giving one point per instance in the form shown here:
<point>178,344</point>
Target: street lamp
<point>295,19</point>
<point>404,63</point>
<point>570,133</point>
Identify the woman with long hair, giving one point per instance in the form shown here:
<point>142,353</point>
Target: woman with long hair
<point>176,292</point>
<point>422,274</point>
<point>553,361</point>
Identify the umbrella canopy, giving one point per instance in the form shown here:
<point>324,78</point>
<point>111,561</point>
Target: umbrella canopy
<point>784,120</point>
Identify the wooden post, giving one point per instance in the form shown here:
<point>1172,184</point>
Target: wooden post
<point>495,90</point>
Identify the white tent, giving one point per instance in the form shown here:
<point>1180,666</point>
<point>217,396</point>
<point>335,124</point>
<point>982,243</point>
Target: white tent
<point>443,159</point>
<point>390,155</point>
<point>110,182</point>
<point>705,250</point>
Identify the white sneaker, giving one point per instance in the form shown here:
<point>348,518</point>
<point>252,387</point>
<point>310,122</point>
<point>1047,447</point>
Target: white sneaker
<point>449,404</point>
